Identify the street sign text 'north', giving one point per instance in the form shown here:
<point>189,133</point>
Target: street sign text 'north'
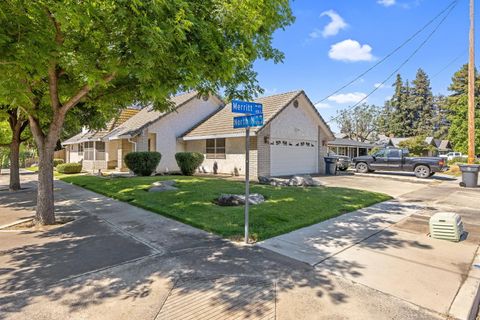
<point>248,121</point>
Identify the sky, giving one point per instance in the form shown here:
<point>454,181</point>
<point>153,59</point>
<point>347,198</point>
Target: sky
<point>331,42</point>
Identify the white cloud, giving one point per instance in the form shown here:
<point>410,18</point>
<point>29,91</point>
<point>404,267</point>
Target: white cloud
<point>334,27</point>
<point>315,33</point>
<point>386,3</point>
<point>351,97</point>
<point>322,105</point>
<point>379,85</point>
<point>351,51</point>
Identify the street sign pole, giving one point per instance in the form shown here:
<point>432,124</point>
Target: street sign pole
<point>252,117</point>
<point>247,179</point>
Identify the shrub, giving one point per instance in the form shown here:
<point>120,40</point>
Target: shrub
<point>69,168</point>
<point>142,163</point>
<point>189,161</point>
<point>56,162</point>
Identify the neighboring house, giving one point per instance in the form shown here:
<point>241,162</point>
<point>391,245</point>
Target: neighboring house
<point>142,130</point>
<point>441,146</point>
<point>350,148</point>
<point>293,139</point>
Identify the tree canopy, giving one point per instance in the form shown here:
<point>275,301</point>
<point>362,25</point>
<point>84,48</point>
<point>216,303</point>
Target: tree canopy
<point>106,54</point>
<point>457,106</point>
<point>360,123</point>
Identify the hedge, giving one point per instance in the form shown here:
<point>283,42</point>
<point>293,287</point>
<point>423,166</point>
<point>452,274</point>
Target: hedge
<point>189,161</point>
<point>142,163</point>
<point>56,162</point>
<point>69,168</point>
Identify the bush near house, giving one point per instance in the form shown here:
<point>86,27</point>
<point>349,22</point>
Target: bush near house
<point>69,168</point>
<point>142,163</point>
<point>417,146</point>
<point>56,162</point>
<point>189,162</point>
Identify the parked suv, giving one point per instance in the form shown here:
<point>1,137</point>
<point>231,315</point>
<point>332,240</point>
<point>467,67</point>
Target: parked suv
<point>394,159</point>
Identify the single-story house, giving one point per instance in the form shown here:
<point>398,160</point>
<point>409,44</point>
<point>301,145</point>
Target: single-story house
<point>142,130</point>
<point>350,148</point>
<point>293,139</point>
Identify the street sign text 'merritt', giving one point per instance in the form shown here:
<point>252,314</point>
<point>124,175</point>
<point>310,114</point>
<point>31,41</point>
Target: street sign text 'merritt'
<point>245,107</point>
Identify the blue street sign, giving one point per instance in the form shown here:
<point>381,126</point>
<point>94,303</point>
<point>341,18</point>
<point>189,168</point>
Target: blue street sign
<point>248,121</point>
<point>246,107</point>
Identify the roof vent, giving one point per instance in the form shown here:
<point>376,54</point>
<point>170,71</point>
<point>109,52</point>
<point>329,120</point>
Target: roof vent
<point>446,225</point>
<point>295,103</point>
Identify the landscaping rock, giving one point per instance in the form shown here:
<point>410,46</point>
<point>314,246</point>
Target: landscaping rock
<point>239,200</point>
<point>160,186</point>
<point>303,181</point>
<point>295,181</point>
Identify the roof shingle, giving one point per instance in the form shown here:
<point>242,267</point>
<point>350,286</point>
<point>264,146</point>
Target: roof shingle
<point>220,124</point>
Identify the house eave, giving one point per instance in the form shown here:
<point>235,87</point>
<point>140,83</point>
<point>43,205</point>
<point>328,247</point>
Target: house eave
<point>216,136</point>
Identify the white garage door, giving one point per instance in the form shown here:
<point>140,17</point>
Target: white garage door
<point>290,160</point>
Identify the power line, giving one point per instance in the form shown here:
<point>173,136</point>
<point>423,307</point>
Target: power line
<point>449,64</point>
<point>453,3</point>
<point>422,44</point>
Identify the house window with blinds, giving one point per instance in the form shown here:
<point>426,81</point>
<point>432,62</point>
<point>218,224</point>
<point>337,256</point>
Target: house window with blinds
<point>216,148</point>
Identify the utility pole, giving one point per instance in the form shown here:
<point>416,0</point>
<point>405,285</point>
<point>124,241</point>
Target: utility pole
<point>471,89</point>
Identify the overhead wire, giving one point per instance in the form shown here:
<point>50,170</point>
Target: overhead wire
<point>413,36</point>
<point>421,45</point>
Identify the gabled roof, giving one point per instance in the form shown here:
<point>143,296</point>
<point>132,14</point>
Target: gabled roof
<point>98,135</point>
<point>147,116</point>
<point>445,145</point>
<point>220,124</point>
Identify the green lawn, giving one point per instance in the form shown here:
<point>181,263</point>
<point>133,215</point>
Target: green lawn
<point>285,209</point>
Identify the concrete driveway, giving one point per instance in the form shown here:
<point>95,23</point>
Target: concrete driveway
<point>386,246</point>
<point>134,264</point>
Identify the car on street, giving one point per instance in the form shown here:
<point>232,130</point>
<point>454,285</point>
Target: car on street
<point>453,155</point>
<point>395,159</point>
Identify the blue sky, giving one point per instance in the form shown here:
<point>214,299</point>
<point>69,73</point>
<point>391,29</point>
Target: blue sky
<point>333,41</point>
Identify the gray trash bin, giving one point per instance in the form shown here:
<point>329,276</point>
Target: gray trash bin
<point>330,165</point>
<point>469,175</point>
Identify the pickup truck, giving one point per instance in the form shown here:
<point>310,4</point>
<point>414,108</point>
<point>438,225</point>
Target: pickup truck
<point>393,159</point>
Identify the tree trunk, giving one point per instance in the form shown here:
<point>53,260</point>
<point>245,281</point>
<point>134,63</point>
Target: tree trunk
<point>15,165</point>
<point>45,213</point>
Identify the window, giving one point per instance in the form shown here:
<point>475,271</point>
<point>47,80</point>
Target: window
<point>100,150</point>
<point>88,150</point>
<point>393,154</point>
<point>215,148</point>
<point>380,154</point>
<point>80,149</point>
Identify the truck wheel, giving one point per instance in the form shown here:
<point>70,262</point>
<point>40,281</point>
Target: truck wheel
<point>422,171</point>
<point>361,167</point>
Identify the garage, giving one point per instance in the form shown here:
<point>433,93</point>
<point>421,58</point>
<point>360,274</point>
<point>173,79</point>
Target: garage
<point>293,158</point>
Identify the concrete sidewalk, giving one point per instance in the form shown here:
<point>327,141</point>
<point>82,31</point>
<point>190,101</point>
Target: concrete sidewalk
<point>386,247</point>
<point>179,271</point>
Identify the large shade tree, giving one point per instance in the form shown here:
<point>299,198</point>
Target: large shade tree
<point>55,55</point>
<point>17,123</point>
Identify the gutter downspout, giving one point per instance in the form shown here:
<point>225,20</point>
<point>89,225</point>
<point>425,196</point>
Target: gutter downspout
<point>134,144</point>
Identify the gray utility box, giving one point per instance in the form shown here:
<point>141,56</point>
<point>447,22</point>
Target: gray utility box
<point>446,225</point>
<point>469,175</point>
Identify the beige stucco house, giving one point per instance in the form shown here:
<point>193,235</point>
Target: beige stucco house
<point>293,139</point>
<point>141,130</point>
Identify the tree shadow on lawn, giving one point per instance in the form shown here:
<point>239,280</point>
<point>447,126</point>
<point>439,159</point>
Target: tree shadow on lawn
<point>43,270</point>
<point>49,265</point>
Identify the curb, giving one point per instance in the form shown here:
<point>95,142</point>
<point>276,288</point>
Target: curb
<point>466,303</point>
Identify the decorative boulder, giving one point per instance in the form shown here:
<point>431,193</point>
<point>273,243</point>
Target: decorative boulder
<point>160,186</point>
<point>239,200</point>
<point>303,181</point>
<point>295,181</point>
